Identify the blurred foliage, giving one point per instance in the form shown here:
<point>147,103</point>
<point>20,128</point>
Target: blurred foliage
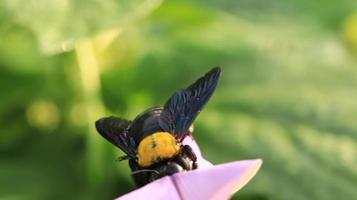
<point>350,31</point>
<point>58,23</point>
<point>287,93</point>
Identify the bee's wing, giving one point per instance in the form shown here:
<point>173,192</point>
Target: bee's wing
<point>183,107</point>
<point>114,130</point>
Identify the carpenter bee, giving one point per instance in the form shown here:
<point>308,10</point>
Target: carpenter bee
<point>152,142</point>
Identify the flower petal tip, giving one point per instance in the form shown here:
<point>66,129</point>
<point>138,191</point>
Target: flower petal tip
<point>217,182</point>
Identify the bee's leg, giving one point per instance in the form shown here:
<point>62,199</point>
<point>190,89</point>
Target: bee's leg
<point>121,158</point>
<point>188,151</point>
<point>194,165</point>
<point>183,161</point>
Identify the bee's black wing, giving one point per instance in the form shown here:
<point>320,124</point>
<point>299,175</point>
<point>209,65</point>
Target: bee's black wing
<point>183,107</point>
<point>114,130</point>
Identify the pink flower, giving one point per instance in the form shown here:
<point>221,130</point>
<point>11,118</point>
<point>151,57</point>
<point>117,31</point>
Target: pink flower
<point>207,182</point>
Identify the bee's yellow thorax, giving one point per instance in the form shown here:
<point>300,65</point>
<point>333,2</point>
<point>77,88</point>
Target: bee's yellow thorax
<point>160,145</point>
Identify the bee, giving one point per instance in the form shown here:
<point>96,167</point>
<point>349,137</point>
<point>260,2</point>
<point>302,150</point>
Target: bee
<point>152,142</point>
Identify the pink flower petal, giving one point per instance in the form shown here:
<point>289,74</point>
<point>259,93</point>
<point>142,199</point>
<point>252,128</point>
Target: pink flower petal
<point>215,182</point>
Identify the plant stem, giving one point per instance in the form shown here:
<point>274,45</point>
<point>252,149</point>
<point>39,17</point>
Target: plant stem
<point>90,84</point>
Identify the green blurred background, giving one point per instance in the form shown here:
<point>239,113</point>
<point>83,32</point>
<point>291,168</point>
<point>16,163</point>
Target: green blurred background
<point>287,93</point>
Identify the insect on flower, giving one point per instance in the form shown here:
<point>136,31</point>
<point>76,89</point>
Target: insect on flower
<point>152,142</point>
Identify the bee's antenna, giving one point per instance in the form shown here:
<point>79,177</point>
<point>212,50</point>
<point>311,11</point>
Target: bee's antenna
<point>145,170</point>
